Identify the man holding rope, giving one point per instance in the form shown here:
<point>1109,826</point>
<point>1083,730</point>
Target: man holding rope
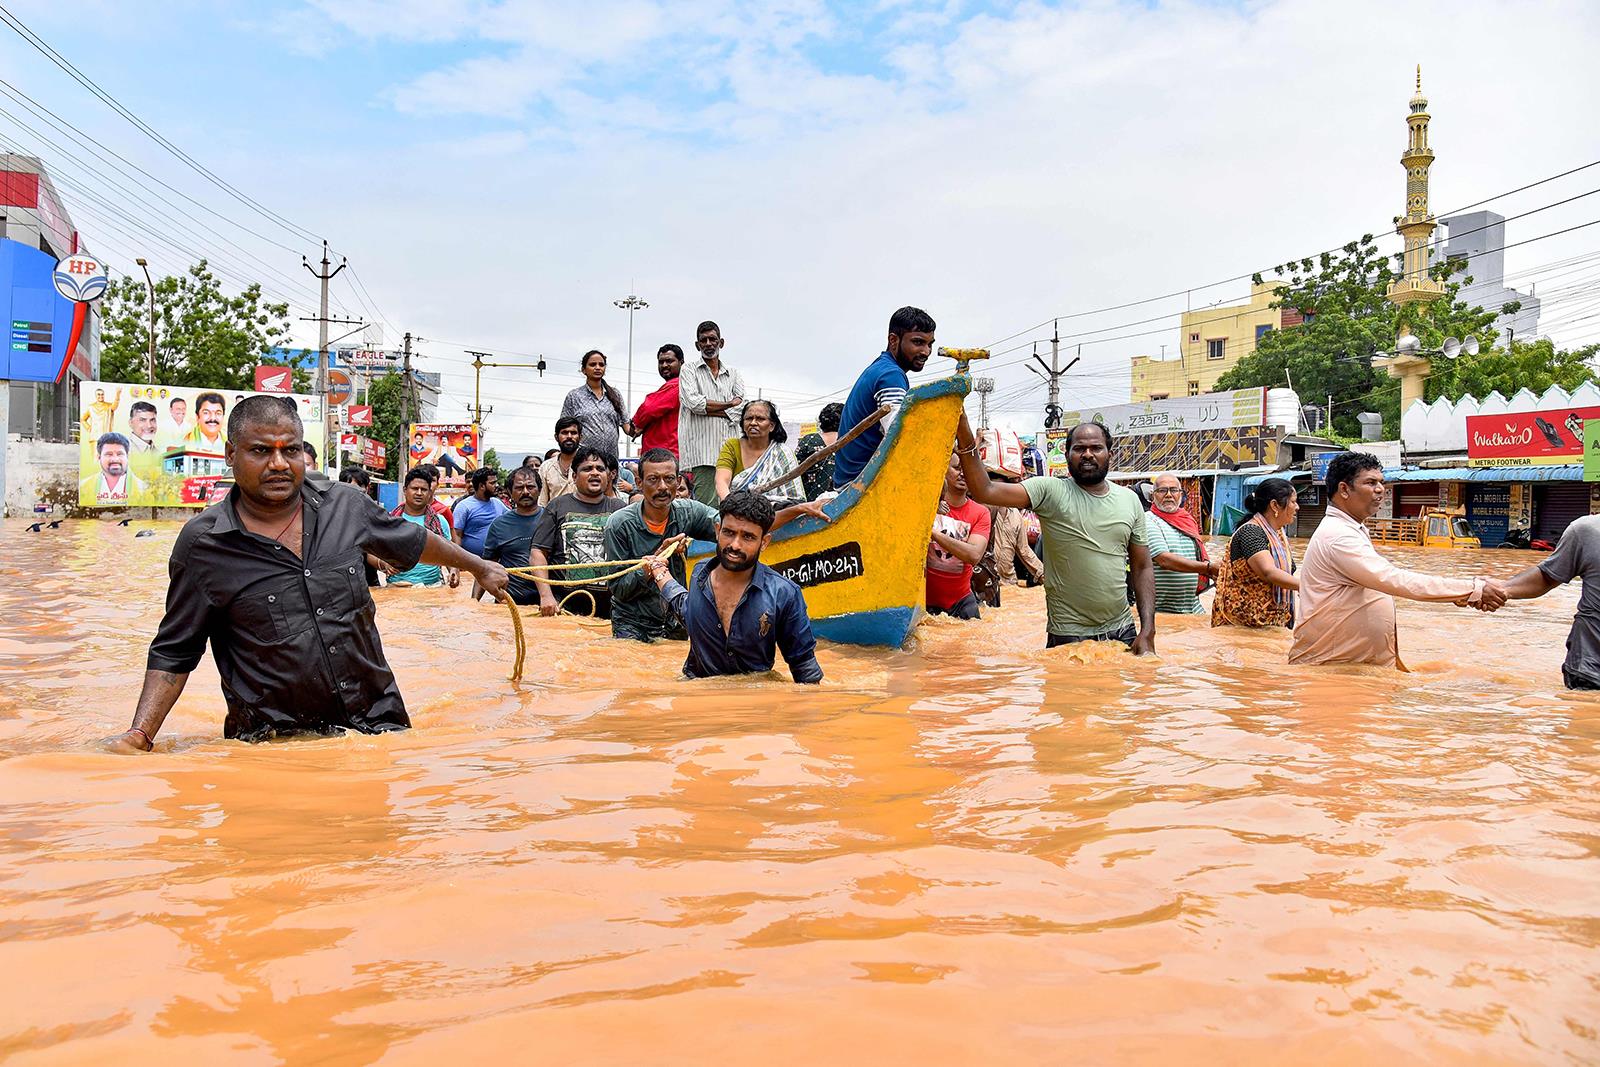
<point>271,576</point>
<point>643,527</point>
<point>571,529</point>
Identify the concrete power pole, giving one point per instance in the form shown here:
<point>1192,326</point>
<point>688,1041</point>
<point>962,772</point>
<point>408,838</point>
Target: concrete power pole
<point>325,276</point>
<point>403,457</point>
<point>983,387</point>
<point>1053,375</point>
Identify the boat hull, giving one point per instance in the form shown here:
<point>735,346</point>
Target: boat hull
<point>863,573</point>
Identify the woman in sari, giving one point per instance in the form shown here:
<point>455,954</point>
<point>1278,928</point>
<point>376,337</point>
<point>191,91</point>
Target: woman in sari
<point>758,456</point>
<point>1256,582</point>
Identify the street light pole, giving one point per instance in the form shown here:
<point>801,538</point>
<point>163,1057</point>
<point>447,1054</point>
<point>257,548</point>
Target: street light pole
<point>630,304</point>
<point>151,286</point>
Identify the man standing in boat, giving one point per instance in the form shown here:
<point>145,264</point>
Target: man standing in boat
<point>739,612</point>
<point>1092,530</point>
<point>271,578</point>
<point>882,384</point>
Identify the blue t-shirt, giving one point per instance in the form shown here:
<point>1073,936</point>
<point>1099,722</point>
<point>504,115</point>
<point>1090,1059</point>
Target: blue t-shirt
<point>883,382</point>
<point>422,573</point>
<point>472,518</point>
<point>507,542</point>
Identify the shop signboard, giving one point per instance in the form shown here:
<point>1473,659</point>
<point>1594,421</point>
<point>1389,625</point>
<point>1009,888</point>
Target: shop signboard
<point>1591,450</point>
<point>160,445</point>
<point>1211,411</point>
<point>1528,438</point>
<point>274,379</point>
<point>453,447</point>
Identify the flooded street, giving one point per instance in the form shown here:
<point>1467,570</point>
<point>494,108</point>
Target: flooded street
<point>971,852</point>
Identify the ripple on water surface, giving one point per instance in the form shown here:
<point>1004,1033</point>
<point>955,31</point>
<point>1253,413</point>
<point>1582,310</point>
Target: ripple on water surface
<point>970,851</point>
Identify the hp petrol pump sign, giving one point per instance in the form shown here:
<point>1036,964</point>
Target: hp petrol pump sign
<point>81,278</point>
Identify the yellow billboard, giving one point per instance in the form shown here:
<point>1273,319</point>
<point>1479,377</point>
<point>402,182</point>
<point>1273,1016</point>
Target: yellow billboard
<point>164,445</point>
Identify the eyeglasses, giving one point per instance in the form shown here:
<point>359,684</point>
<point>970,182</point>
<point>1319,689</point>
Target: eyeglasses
<point>1174,489</point>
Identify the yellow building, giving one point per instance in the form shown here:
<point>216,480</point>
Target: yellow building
<point>1211,343</point>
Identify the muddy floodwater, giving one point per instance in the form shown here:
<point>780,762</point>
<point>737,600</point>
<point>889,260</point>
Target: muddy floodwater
<point>972,851</point>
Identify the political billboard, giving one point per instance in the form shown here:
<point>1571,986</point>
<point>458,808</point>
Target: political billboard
<point>454,447</point>
<point>1527,438</point>
<point>163,445</point>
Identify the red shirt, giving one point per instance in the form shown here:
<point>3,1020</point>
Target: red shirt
<point>949,579</point>
<point>657,419</point>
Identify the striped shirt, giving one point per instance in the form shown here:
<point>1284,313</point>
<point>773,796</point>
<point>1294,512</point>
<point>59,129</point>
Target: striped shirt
<point>701,436</point>
<point>1175,590</point>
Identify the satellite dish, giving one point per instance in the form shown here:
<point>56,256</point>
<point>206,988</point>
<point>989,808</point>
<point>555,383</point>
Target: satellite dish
<point>1408,344</point>
<point>1470,346</point>
<point>1452,348</point>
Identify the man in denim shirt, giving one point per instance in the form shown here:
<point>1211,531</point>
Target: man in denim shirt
<point>739,612</point>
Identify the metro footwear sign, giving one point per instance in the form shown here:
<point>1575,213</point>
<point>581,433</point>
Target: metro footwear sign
<point>274,379</point>
<point>1527,438</point>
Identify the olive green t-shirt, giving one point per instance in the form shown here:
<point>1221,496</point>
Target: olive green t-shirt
<point>1085,549</point>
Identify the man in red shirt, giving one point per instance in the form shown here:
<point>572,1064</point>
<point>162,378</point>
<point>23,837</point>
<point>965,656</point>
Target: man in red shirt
<point>960,534</point>
<point>657,418</point>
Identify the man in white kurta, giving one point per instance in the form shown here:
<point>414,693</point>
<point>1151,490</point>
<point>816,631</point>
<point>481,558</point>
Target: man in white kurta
<point>1347,589</point>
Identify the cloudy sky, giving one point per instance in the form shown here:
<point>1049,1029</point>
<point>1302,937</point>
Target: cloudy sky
<point>499,172</point>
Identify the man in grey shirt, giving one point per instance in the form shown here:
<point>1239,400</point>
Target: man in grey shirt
<point>1577,556</point>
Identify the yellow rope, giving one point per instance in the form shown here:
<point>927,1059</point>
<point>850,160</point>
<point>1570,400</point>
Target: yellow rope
<point>673,546</point>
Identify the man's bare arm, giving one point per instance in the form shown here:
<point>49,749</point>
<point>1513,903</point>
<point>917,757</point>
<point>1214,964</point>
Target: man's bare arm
<point>160,692</point>
<point>979,487</point>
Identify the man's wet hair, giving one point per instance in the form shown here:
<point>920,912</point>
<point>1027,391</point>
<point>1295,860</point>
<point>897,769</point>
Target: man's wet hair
<point>567,420</point>
<point>216,398</point>
<point>588,452</point>
<point>1105,431</point>
<point>110,439</point>
<point>261,411</point>
<point>142,405</point>
<point>417,472</point>
<point>828,420</point>
<point>658,455</point>
<point>707,327</point>
<point>674,349</point>
<point>910,320</point>
<point>1348,466</point>
<point>428,471</point>
<point>751,507</point>
<point>479,475</point>
<point>355,476</point>
<point>519,475</point>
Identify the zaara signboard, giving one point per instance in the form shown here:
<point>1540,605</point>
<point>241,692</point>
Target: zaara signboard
<point>1213,411</point>
<point>1527,438</point>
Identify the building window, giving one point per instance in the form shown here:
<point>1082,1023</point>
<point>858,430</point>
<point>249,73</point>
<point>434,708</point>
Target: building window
<point>1216,347</point>
<point>1262,331</point>
<point>1194,388</point>
<point>1158,396</point>
<point>1194,338</point>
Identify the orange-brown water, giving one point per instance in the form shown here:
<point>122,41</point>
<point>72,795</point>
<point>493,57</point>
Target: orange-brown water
<point>970,852</point>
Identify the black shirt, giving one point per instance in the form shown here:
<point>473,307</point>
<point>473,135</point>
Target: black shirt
<point>295,640</point>
<point>506,542</point>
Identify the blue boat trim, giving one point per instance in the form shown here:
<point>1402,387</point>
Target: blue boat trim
<point>885,626</point>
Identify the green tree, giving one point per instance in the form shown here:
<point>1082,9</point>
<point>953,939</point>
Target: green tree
<point>1535,365</point>
<point>385,395</point>
<point>204,337</point>
<point>1349,321</point>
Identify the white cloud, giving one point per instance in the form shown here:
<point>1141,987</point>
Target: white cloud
<point>1044,160</point>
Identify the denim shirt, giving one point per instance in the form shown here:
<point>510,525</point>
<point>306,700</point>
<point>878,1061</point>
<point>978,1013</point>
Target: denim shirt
<point>771,615</point>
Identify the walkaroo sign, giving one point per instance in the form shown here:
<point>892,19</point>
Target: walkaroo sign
<point>1527,438</point>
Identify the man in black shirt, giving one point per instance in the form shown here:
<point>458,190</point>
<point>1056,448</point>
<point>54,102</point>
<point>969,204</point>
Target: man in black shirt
<point>509,538</point>
<point>271,576</point>
<point>571,529</point>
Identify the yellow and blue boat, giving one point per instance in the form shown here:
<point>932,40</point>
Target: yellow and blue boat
<point>863,573</point>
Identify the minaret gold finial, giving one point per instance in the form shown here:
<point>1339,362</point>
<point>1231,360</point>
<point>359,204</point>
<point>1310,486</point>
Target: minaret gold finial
<point>1419,77</point>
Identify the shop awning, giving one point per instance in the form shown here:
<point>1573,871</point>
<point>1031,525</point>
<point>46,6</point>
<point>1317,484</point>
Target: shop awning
<point>1257,479</point>
<point>1194,472</point>
<point>1556,472</point>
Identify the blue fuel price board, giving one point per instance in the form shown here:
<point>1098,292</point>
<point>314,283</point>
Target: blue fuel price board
<point>27,336</point>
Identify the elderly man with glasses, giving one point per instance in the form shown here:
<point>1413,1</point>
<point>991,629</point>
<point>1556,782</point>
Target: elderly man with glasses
<point>1183,569</point>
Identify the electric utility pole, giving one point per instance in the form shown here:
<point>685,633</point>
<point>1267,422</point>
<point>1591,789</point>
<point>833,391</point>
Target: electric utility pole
<point>403,457</point>
<point>1053,375</point>
<point>325,276</point>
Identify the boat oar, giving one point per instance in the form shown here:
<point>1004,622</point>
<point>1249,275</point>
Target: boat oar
<point>817,457</point>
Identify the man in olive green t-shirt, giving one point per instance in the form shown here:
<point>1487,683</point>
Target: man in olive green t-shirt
<point>1092,530</point>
